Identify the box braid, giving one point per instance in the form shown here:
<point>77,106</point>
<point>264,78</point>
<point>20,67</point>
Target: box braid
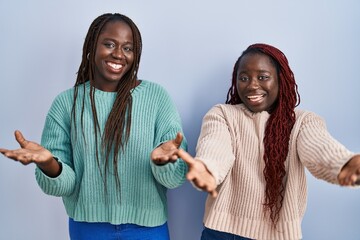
<point>278,127</point>
<point>114,137</point>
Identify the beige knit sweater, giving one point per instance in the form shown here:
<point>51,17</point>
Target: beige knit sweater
<point>231,146</point>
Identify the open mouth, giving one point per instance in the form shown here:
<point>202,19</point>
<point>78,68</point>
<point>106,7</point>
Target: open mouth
<point>114,66</point>
<point>256,98</point>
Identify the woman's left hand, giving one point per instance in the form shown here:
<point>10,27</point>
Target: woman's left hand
<point>168,151</point>
<point>350,173</point>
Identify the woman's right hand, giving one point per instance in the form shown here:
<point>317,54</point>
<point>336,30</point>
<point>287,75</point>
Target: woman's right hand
<point>199,174</point>
<point>32,152</point>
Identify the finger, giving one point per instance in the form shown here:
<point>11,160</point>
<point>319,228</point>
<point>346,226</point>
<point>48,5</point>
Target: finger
<point>178,139</point>
<point>160,158</point>
<point>18,157</point>
<point>158,161</point>
<point>344,176</point>
<point>199,184</point>
<point>158,155</point>
<point>346,180</point>
<point>3,150</point>
<point>214,194</point>
<point>20,138</point>
<point>349,180</point>
<point>357,181</point>
<point>15,154</point>
<point>341,178</point>
<point>186,157</point>
<point>353,179</point>
<point>190,176</point>
<point>173,158</point>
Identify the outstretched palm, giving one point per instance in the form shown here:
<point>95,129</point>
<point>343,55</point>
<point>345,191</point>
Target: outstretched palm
<point>167,152</point>
<point>350,173</point>
<point>29,151</point>
<point>199,174</point>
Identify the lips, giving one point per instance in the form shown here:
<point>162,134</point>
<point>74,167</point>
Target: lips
<point>114,66</point>
<point>255,98</point>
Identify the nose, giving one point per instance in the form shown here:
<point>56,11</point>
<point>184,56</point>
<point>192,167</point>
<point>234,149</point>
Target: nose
<point>253,84</point>
<point>118,53</point>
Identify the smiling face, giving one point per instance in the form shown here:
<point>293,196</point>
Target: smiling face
<point>114,55</point>
<point>257,82</point>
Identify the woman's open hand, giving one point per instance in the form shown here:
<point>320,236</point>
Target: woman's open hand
<point>199,174</point>
<point>168,151</point>
<point>350,173</point>
<point>32,152</point>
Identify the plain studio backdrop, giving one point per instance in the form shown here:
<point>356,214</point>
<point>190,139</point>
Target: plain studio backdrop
<point>189,47</point>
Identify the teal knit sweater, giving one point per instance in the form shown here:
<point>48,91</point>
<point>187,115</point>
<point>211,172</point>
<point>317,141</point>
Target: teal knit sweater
<point>142,196</point>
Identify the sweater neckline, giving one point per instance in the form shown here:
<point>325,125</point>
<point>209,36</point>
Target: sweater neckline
<point>253,114</point>
<point>134,91</point>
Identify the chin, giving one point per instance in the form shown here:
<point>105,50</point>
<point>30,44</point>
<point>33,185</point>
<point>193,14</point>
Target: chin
<point>255,109</point>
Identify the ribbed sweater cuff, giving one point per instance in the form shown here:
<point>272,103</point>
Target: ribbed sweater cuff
<point>211,166</point>
<point>61,185</point>
<point>171,175</point>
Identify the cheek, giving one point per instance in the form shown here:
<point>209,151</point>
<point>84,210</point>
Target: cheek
<point>276,90</point>
<point>275,94</point>
<point>130,57</point>
<point>99,56</point>
<point>239,88</point>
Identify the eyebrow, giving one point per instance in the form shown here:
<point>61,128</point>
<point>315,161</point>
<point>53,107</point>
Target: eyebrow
<point>257,71</point>
<point>113,40</point>
<point>264,71</point>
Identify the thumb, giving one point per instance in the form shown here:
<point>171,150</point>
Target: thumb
<point>20,139</point>
<point>178,139</point>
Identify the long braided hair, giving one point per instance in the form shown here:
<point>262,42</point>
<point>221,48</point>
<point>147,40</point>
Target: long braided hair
<point>114,137</point>
<point>278,127</point>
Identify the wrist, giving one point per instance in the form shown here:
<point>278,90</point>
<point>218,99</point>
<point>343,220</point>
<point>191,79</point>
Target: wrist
<point>51,168</point>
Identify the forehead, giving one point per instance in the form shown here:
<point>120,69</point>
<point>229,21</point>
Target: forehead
<point>256,61</point>
<point>117,29</point>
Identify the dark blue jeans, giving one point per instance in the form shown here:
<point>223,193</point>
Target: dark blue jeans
<point>210,234</point>
<point>107,231</point>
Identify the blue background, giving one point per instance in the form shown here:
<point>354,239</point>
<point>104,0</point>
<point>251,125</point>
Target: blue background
<point>189,48</point>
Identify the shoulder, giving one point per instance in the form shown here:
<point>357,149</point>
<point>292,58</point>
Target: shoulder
<point>63,100</point>
<point>305,118</point>
<point>151,91</point>
<point>227,109</point>
<point>145,84</point>
<point>224,113</point>
<point>305,115</point>
<point>65,94</point>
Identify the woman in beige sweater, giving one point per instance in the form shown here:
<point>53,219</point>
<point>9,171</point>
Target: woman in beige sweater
<point>253,150</point>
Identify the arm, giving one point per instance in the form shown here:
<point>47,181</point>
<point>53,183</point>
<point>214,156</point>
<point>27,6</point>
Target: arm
<point>323,156</point>
<point>215,144</point>
<point>56,138</point>
<point>166,168</point>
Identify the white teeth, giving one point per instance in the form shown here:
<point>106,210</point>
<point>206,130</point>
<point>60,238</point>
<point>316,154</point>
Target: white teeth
<point>255,98</point>
<point>115,66</point>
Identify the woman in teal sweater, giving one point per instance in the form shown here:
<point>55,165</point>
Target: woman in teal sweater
<point>98,137</point>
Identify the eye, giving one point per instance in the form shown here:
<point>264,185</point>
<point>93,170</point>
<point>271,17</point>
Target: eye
<point>263,77</point>
<point>109,45</point>
<point>128,49</point>
<point>243,78</point>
